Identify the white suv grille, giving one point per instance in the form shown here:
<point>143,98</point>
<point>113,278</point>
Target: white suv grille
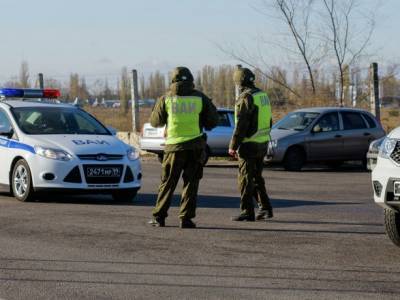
<point>396,153</point>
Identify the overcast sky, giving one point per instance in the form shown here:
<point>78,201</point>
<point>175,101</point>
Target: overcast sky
<point>98,37</point>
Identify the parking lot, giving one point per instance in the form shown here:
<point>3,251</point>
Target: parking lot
<point>326,241</point>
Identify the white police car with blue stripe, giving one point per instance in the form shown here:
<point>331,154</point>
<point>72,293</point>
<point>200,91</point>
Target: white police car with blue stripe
<point>47,146</point>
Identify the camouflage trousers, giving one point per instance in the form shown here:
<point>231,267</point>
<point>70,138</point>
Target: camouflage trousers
<point>252,185</point>
<point>188,162</point>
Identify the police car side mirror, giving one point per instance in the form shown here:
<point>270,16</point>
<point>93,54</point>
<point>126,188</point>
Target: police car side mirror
<point>7,133</point>
<point>112,130</point>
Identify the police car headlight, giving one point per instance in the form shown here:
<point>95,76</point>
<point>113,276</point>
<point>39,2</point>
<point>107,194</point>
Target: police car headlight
<point>132,154</point>
<point>53,153</point>
<point>387,147</point>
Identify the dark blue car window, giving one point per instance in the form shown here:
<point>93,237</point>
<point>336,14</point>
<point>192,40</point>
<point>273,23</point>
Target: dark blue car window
<point>57,120</point>
<point>352,120</point>
<point>371,122</point>
<point>223,120</point>
<point>296,121</point>
<point>329,122</point>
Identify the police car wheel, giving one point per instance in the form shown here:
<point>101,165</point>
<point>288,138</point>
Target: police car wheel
<point>392,225</point>
<point>124,195</point>
<point>21,181</point>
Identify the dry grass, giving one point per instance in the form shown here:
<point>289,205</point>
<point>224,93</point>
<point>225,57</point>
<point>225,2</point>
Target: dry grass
<point>123,122</point>
<point>390,119</point>
<point>114,117</point>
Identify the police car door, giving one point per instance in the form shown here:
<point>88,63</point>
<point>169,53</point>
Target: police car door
<point>5,155</point>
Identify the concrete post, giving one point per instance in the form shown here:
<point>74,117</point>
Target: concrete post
<point>41,81</point>
<point>374,91</point>
<point>135,102</point>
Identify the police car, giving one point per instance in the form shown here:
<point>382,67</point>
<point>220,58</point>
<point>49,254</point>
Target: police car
<point>45,147</point>
<point>386,183</point>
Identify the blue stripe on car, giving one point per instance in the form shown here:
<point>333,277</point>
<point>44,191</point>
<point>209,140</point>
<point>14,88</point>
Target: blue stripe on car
<point>16,145</point>
<point>3,143</point>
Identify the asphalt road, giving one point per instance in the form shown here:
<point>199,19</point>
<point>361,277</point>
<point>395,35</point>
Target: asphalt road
<point>326,241</point>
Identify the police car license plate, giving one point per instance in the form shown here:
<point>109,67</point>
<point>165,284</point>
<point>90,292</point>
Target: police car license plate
<point>103,171</point>
<point>151,132</point>
<point>396,188</point>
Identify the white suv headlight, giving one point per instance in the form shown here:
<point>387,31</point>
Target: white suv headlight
<point>132,154</point>
<point>50,153</point>
<point>387,147</point>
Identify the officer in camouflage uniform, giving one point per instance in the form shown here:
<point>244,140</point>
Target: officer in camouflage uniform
<point>249,143</point>
<point>185,112</point>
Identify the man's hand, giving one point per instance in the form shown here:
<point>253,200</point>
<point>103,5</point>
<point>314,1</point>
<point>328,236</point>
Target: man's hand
<point>233,153</point>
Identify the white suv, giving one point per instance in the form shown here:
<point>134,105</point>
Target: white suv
<point>48,147</point>
<point>386,183</point>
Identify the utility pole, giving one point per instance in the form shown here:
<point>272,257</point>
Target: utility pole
<point>374,91</point>
<point>135,102</point>
<point>41,81</point>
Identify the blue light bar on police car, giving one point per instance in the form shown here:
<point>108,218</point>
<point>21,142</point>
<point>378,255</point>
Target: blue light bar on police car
<point>9,93</point>
<point>29,93</point>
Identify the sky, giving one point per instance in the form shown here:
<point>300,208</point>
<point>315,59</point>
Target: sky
<point>97,38</point>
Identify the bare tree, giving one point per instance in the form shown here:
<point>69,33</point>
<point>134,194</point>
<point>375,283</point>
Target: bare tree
<point>24,75</point>
<point>207,80</point>
<point>390,85</point>
<point>74,86</point>
<point>142,87</point>
<point>52,83</point>
<point>297,14</point>
<point>154,86</point>
<point>124,88</point>
<point>107,93</point>
<point>12,82</point>
<point>315,33</point>
<point>347,44</point>
<point>268,74</point>
<point>83,89</point>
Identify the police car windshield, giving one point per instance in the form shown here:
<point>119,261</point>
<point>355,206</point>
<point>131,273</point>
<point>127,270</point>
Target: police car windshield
<point>296,121</point>
<point>57,120</point>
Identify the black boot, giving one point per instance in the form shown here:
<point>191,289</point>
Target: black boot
<point>242,217</point>
<point>187,223</point>
<point>264,214</point>
<point>157,222</point>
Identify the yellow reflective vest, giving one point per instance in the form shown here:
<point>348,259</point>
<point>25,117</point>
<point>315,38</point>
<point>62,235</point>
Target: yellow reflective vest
<point>263,104</point>
<point>183,118</point>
